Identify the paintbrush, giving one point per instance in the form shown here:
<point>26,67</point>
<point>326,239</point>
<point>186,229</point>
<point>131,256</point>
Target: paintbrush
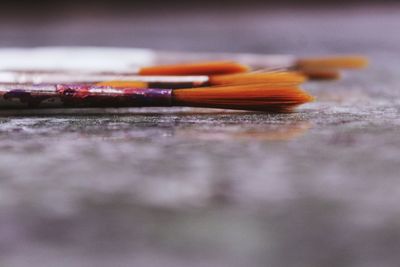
<point>256,97</point>
<point>271,78</point>
<point>193,68</point>
<point>127,59</point>
<point>125,80</point>
<point>318,68</point>
<point>266,61</point>
<point>315,68</point>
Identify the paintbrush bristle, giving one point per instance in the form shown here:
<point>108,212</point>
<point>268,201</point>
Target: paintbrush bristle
<point>124,84</point>
<point>321,74</point>
<point>200,68</point>
<point>261,97</point>
<point>288,78</point>
<point>334,62</point>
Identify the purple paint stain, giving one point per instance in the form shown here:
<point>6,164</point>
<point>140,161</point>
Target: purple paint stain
<point>113,97</point>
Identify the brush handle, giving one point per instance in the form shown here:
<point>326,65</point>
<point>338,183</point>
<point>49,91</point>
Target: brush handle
<point>43,77</point>
<point>54,96</point>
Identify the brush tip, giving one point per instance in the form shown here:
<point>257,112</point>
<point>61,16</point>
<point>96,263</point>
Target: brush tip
<point>258,97</point>
<point>333,62</point>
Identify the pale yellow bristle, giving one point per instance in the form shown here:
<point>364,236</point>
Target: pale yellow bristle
<point>200,68</point>
<point>124,84</point>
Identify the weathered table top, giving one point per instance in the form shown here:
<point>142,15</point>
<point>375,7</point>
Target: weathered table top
<point>187,187</point>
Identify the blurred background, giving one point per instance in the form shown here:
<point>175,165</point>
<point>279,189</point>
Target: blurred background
<point>253,26</point>
<point>171,188</point>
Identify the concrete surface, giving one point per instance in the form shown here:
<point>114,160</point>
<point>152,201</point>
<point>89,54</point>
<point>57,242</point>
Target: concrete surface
<point>186,187</point>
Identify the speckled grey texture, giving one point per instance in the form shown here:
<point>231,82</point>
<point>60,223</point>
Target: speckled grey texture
<point>196,187</point>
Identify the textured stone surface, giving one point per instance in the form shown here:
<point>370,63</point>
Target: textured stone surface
<point>186,187</point>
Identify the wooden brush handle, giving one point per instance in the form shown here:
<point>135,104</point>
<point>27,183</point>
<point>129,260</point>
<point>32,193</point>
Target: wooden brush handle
<point>54,96</point>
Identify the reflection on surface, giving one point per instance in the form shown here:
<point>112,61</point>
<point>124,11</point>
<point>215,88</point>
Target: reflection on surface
<point>152,111</point>
<point>151,124</point>
<point>272,132</point>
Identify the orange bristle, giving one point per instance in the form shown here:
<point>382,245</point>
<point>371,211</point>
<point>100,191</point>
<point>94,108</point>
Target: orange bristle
<point>201,68</point>
<point>334,62</point>
<point>288,78</point>
<point>258,97</point>
<point>321,74</point>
